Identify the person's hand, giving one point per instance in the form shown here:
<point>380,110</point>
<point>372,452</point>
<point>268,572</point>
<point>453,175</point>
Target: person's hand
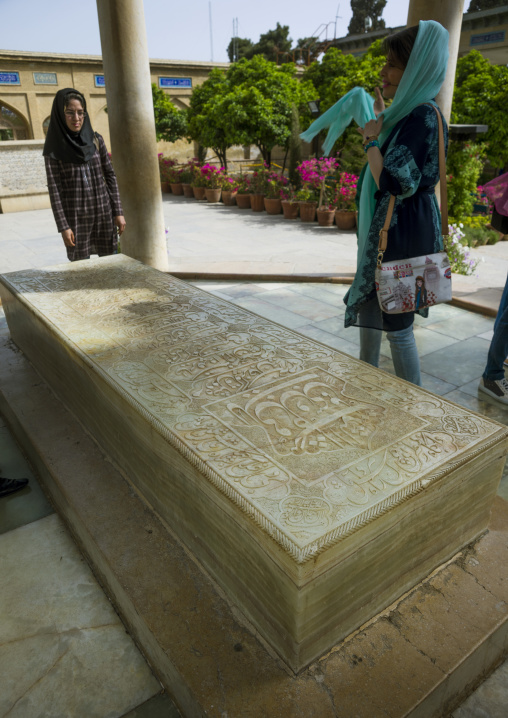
<point>379,103</point>
<point>68,238</point>
<point>372,128</point>
<point>120,223</point>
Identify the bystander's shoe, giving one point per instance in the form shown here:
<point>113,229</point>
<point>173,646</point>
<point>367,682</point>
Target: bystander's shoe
<point>9,486</point>
<point>497,389</point>
<point>506,361</point>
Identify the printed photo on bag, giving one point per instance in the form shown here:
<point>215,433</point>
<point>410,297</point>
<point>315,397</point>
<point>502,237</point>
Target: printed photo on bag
<point>412,284</point>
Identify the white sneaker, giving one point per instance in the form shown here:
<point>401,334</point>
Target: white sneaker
<point>497,389</point>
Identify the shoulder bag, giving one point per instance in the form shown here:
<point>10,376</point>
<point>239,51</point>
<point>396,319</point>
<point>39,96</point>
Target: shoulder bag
<point>407,285</point>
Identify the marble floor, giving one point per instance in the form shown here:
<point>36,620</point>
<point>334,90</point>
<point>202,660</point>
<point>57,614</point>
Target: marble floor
<point>58,631</point>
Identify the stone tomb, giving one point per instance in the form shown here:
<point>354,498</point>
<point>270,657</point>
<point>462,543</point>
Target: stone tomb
<point>314,488</point>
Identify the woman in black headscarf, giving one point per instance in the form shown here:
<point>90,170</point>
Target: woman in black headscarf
<point>81,180</point>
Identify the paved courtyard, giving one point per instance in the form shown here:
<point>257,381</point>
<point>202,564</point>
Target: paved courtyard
<point>42,652</point>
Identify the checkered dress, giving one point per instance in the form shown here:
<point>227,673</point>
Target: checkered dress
<point>85,198</point>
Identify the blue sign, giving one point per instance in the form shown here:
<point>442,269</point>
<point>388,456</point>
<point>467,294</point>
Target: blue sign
<point>99,81</point>
<point>175,81</point>
<point>487,38</point>
<point>45,78</point>
<point>9,78</point>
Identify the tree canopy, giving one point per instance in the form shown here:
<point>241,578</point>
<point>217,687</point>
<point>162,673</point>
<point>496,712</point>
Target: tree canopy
<point>270,45</point>
<point>338,73</point>
<point>170,122</point>
<point>363,9</point>
<point>251,103</point>
<point>239,47</point>
<point>207,124</point>
<point>481,97</point>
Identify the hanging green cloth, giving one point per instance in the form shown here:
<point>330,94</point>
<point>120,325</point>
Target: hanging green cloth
<point>421,82</point>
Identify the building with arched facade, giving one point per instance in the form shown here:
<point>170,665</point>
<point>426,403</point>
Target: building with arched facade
<point>28,84</point>
<point>29,81</point>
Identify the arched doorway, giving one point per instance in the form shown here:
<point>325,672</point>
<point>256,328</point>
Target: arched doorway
<point>12,125</point>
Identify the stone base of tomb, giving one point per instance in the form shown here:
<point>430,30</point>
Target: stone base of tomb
<point>420,658</point>
<point>314,489</point>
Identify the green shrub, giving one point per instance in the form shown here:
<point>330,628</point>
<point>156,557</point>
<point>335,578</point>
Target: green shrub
<point>478,236</point>
<point>464,166</point>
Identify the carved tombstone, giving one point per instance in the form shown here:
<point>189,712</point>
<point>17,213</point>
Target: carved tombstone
<point>313,487</point>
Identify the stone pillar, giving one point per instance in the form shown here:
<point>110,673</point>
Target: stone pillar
<point>35,116</point>
<point>449,14</point>
<point>132,128</point>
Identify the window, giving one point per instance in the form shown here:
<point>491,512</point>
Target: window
<point>12,126</point>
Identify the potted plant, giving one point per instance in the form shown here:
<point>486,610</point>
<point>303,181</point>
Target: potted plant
<point>312,174</point>
<point>173,175</point>
<point>326,208</point>
<point>198,183</point>
<point>307,199</point>
<point>289,202</point>
<point>259,184</point>
<point>229,190</point>
<point>243,194</point>
<point>275,184</point>
<point>186,177</point>
<point>345,201</point>
<point>212,177</point>
<point>165,166</point>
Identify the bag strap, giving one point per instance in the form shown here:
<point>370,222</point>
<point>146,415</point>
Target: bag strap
<point>383,234</point>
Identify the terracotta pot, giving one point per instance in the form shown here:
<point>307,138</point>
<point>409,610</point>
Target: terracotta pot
<point>345,219</point>
<point>199,192</point>
<point>308,211</point>
<point>165,187</point>
<point>229,197</point>
<point>325,217</point>
<point>213,195</point>
<point>176,187</point>
<point>273,205</point>
<point>257,202</point>
<point>290,209</point>
<point>243,200</point>
<point>187,190</point>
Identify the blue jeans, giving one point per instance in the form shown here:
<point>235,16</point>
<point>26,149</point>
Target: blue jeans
<point>405,357</point>
<point>498,350</point>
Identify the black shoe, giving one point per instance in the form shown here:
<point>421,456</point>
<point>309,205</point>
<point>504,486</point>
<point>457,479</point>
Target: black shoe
<point>9,486</point>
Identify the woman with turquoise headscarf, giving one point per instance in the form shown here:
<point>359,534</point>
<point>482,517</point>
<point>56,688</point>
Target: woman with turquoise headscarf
<point>401,144</point>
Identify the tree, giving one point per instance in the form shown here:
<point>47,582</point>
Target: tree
<point>478,5</point>
<point>332,78</point>
<point>271,42</point>
<point>481,97</point>
<point>208,120</point>
<point>262,97</point>
<point>363,9</point>
<point>336,73</point>
<point>170,123</point>
<point>239,47</point>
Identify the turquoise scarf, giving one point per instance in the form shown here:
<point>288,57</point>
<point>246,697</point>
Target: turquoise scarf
<point>421,82</point>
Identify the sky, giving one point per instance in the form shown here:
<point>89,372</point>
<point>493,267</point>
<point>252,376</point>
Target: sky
<point>177,30</point>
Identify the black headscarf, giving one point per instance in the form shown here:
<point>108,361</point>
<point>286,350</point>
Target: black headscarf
<point>63,144</point>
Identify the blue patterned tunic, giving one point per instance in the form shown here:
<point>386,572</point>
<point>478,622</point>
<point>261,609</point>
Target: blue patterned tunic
<point>411,172</point>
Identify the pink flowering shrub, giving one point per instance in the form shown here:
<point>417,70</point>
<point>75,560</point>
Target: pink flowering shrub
<point>168,170</point>
<point>211,176</point>
<point>314,174</point>
<point>243,183</point>
<point>345,191</point>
